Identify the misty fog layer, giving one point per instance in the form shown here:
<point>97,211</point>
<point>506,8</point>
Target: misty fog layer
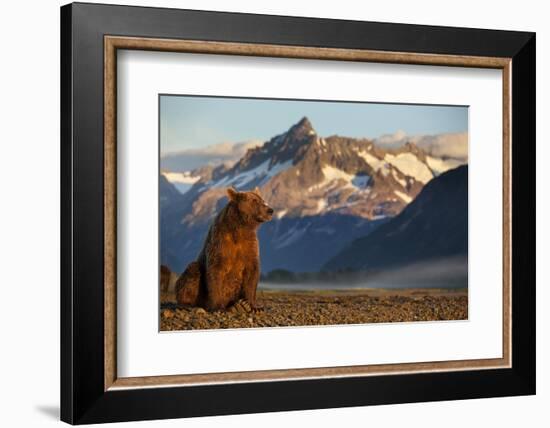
<point>442,273</point>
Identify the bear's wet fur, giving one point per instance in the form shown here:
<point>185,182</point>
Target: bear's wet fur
<point>228,266</point>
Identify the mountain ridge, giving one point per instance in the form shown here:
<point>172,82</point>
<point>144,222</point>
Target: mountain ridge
<point>349,172</point>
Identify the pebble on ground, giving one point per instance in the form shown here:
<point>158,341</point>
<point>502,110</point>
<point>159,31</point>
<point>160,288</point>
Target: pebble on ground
<point>283,309</point>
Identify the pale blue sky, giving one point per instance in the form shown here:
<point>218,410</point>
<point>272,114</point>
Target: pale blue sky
<point>189,122</point>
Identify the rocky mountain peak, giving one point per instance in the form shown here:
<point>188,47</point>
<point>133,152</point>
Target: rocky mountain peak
<point>282,148</point>
<point>302,128</point>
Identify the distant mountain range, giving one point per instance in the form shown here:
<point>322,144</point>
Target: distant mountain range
<point>326,192</point>
<point>432,227</point>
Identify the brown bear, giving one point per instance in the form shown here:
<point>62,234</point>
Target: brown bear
<point>227,269</point>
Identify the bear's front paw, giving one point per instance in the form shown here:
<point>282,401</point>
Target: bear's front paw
<point>258,307</point>
<point>241,307</point>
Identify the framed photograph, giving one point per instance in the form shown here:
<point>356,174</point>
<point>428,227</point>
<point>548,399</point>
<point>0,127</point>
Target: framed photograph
<point>266,213</point>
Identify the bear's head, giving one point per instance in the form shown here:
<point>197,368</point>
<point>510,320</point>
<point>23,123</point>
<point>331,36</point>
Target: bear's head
<point>250,205</point>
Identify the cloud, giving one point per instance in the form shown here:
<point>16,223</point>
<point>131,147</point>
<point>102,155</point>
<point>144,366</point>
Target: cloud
<point>392,140</point>
<point>451,145</point>
<point>187,160</point>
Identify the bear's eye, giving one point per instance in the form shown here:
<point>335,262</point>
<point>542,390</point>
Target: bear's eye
<point>260,201</point>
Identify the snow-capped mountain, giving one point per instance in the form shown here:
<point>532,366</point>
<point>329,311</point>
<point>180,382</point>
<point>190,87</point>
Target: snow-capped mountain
<point>309,180</point>
<point>301,174</point>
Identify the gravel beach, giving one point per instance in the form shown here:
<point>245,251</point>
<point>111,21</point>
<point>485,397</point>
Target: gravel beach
<point>322,307</point>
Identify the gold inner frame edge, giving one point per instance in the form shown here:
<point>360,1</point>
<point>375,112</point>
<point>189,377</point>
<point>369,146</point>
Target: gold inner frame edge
<point>113,43</point>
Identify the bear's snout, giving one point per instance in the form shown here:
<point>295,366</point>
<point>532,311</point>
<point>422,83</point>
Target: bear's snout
<point>265,213</point>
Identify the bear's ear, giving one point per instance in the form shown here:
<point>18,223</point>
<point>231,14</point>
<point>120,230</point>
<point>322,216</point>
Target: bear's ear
<point>232,193</point>
<point>257,191</point>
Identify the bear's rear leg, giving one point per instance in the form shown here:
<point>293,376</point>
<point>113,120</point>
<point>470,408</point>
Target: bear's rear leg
<point>188,285</point>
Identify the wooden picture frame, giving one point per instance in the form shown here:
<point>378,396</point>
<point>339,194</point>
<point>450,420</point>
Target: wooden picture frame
<point>91,390</point>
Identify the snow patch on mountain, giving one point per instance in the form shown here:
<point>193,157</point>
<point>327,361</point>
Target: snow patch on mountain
<point>401,181</point>
<point>245,177</point>
<point>262,172</point>
<point>281,214</point>
<point>439,166</point>
<point>403,196</point>
<point>321,205</point>
<point>333,175</point>
<point>376,163</point>
<point>410,165</point>
<point>277,169</point>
